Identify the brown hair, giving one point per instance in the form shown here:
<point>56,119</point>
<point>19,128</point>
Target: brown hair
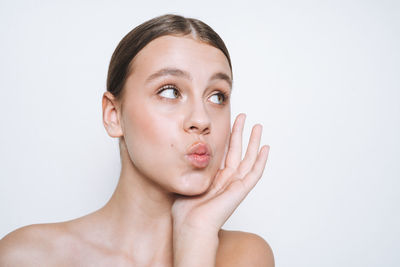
<point>143,34</point>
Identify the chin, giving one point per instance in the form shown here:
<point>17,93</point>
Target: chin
<point>193,185</point>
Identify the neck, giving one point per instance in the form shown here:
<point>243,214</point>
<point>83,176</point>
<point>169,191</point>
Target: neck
<point>138,216</point>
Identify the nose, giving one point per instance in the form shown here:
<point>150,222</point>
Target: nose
<point>197,119</point>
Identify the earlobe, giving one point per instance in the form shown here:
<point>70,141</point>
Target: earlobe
<point>111,118</point>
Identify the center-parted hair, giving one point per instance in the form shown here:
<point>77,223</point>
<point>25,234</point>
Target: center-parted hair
<point>143,34</point>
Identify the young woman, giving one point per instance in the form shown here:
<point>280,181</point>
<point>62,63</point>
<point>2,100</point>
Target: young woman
<point>168,101</point>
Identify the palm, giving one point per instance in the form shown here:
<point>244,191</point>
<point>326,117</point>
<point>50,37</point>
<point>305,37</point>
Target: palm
<point>210,210</point>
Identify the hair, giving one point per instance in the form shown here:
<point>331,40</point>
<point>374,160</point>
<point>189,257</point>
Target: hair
<point>139,37</point>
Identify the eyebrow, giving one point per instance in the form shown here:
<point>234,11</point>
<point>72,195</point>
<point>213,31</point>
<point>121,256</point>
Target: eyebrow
<point>184,74</point>
<point>222,76</point>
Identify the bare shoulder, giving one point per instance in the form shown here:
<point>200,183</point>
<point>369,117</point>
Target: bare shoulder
<point>29,245</point>
<point>237,248</point>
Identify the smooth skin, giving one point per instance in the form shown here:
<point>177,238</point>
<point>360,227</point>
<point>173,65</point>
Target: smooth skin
<point>164,212</point>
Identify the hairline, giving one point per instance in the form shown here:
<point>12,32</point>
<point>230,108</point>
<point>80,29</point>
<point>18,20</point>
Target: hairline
<point>192,35</point>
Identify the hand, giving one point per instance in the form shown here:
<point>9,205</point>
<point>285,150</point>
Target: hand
<point>206,213</point>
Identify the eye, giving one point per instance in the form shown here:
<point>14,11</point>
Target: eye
<point>219,98</point>
<point>169,91</point>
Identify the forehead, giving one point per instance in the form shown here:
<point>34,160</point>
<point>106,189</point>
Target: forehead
<point>182,52</point>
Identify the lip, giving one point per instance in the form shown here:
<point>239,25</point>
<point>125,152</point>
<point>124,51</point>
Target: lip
<point>199,154</point>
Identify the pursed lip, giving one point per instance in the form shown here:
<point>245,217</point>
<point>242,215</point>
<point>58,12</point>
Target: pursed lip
<point>199,154</point>
<point>199,148</point>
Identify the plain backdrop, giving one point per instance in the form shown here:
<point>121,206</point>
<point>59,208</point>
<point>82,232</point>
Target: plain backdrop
<point>321,76</point>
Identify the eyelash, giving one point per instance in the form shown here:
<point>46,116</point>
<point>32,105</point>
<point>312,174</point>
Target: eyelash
<point>171,86</point>
<point>168,86</point>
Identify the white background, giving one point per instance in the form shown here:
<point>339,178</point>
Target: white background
<point>321,76</point>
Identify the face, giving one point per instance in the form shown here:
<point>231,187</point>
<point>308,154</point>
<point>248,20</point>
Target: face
<point>177,99</point>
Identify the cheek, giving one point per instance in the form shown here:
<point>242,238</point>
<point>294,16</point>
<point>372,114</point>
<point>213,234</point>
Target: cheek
<point>147,122</point>
<point>151,132</point>
<point>153,128</point>
<point>152,140</point>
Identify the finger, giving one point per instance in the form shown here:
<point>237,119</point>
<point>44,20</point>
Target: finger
<point>217,183</point>
<point>257,171</point>
<point>252,150</point>
<point>227,178</point>
<point>234,155</point>
<point>248,162</point>
<point>228,199</point>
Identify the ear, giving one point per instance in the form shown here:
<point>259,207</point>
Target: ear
<point>111,115</point>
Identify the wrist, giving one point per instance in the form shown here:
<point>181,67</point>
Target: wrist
<point>194,248</point>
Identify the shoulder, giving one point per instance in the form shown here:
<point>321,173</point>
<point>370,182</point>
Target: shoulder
<point>30,245</point>
<point>237,248</point>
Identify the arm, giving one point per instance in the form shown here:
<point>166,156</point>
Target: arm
<point>194,249</point>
